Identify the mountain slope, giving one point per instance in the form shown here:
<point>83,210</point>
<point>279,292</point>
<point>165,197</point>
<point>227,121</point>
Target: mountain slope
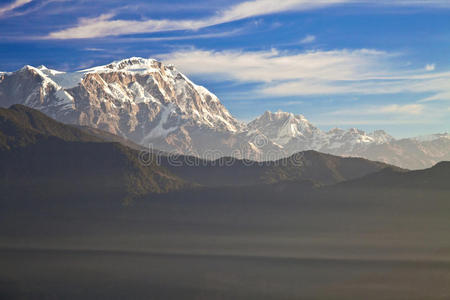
<point>40,155</point>
<point>434,178</point>
<point>312,166</point>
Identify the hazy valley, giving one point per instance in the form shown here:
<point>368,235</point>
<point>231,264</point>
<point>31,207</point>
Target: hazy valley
<point>86,215</point>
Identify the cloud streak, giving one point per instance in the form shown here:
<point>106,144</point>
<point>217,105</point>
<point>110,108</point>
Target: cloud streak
<point>108,25</point>
<point>308,39</point>
<point>12,6</point>
<point>337,72</point>
<point>397,109</point>
<point>274,65</point>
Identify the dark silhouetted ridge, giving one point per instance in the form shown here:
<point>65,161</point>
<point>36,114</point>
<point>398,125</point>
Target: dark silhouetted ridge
<point>41,156</point>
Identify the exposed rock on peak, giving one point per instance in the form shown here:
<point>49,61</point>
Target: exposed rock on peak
<point>141,99</point>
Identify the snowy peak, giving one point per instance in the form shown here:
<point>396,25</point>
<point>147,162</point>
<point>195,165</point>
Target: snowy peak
<point>132,64</point>
<point>380,137</point>
<point>282,127</point>
<point>141,99</point>
<point>295,132</point>
<point>346,140</point>
<point>269,116</point>
<point>34,88</point>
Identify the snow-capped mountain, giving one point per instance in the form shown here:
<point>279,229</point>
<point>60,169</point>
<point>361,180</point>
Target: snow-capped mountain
<point>282,128</point>
<point>143,88</point>
<point>295,133</point>
<point>156,105</point>
<point>141,99</point>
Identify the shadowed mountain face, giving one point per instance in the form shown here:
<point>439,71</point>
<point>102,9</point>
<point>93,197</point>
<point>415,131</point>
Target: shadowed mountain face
<point>40,155</point>
<point>21,126</point>
<point>319,168</point>
<point>435,178</point>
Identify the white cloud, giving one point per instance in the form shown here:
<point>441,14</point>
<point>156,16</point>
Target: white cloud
<point>253,8</point>
<point>362,72</point>
<point>187,37</point>
<point>105,25</point>
<point>430,67</point>
<point>12,6</point>
<point>437,97</point>
<point>273,65</point>
<point>406,120</point>
<point>94,49</point>
<point>409,109</point>
<point>308,39</point>
<point>406,109</point>
<point>386,114</point>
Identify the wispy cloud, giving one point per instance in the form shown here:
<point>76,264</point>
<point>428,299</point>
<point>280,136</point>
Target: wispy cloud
<point>108,25</point>
<point>275,65</point>
<point>398,109</point>
<point>437,97</point>
<point>308,39</point>
<point>94,49</point>
<point>12,6</point>
<point>362,72</point>
<point>38,6</point>
<point>430,67</point>
<point>407,120</point>
<point>187,37</point>
<point>388,114</point>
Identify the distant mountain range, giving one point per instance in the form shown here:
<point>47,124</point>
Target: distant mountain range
<point>295,133</point>
<point>153,104</point>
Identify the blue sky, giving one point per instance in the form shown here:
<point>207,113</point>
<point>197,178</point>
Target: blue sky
<point>371,64</point>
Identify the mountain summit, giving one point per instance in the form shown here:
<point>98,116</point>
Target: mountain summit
<point>141,99</point>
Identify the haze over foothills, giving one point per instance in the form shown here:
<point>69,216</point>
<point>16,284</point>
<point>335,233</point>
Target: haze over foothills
<point>341,63</point>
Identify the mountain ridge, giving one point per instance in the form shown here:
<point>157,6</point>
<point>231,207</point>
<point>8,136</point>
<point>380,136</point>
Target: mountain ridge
<point>43,156</point>
<point>434,178</point>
